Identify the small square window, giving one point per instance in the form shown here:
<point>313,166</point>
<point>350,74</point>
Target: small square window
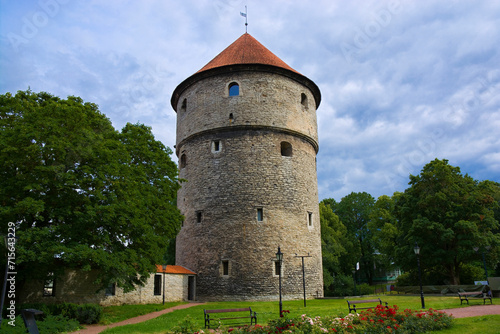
<point>111,290</point>
<point>260,214</point>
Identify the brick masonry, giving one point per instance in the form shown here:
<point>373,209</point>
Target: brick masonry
<point>227,185</point>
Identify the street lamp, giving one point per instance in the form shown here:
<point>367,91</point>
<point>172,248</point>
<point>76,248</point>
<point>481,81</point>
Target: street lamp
<point>303,275</point>
<point>12,239</point>
<point>354,278</point>
<point>416,249</point>
<point>279,259</point>
<point>484,260</point>
<point>164,270</point>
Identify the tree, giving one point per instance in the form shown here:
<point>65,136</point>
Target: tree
<point>447,214</point>
<point>81,194</point>
<point>354,212</point>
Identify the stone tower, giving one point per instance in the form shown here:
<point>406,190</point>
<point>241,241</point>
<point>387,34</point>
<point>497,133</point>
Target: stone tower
<point>247,143</point>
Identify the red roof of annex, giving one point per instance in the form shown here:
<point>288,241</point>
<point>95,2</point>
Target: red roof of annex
<point>174,270</point>
<point>246,50</point>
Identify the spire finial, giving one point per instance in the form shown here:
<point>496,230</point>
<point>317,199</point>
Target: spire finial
<point>246,19</point>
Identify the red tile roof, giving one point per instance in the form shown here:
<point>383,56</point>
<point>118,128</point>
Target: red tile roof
<point>174,270</point>
<point>246,50</point>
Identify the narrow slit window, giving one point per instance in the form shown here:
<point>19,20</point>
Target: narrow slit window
<point>225,267</point>
<point>303,100</point>
<point>183,161</point>
<point>234,89</point>
<point>310,219</point>
<point>260,214</point>
<point>216,146</point>
<point>184,105</point>
<point>286,149</point>
<point>199,216</point>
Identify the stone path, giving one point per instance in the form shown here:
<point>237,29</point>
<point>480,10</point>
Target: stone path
<point>473,311</point>
<point>95,329</point>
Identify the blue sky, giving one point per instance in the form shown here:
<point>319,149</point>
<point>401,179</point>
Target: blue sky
<point>402,82</point>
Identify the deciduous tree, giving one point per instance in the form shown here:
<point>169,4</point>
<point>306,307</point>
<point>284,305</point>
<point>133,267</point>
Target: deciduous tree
<point>82,194</point>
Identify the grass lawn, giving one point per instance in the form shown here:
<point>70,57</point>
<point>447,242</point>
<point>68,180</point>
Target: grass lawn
<point>319,307</point>
<point>112,314</point>
<point>486,324</point>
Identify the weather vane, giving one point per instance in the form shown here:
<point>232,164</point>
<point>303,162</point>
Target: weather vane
<point>246,19</point>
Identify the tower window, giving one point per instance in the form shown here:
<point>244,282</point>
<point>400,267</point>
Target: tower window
<point>303,100</point>
<point>225,267</point>
<point>260,214</point>
<point>183,161</point>
<point>184,105</point>
<point>216,145</point>
<point>199,216</point>
<point>234,89</point>
<point>110,289</point>
<point>49,286</point>
<point>310,219</point>
<point>286,149</point>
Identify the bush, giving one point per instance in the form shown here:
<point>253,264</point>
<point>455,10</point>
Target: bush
<point>83,313</point>
<point>50,325</point>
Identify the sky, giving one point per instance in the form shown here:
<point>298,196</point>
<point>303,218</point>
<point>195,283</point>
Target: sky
<point>402,82</point>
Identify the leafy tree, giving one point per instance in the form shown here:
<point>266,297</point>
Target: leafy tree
<point>354,212</point>
<point>81,194</point>
<point>448,214</point>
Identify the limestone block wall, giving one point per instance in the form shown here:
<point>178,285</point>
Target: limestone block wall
<point>77,286</point>
<point>244,196</point>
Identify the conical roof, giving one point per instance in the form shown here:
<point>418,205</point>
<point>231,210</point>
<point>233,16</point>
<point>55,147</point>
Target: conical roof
<point>245,54</point>
<point>246,50</point>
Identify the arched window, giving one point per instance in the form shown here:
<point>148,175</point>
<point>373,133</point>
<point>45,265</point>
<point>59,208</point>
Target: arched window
<point>286,149</point>
<point>234,89</point>
<point>303,100</point>
<point>183,161</point>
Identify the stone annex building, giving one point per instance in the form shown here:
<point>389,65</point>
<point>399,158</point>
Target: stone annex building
<point>247,143</point>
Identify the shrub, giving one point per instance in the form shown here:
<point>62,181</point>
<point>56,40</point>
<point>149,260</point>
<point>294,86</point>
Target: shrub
<point>50,325</point>
<point>83,313</point>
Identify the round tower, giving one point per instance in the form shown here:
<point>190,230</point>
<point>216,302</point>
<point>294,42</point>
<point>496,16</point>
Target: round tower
<point>247,143</point>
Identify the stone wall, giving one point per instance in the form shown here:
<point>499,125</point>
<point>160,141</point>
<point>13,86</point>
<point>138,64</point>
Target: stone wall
<point>77,286</point>
<point>229,183</point>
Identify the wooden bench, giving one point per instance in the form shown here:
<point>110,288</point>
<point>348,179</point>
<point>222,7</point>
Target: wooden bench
<point>239,322</point>
<point>352,304</point>
<point>474,295</point>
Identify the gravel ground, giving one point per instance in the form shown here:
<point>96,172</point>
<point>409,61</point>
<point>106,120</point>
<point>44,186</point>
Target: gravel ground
<point>473,311</point>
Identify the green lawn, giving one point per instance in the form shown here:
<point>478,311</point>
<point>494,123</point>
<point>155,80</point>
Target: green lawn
<point>112,314</point>
<point>320,307</point>
<point>486,324</point>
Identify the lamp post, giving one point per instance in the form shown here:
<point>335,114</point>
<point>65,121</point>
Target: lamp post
<point>416,249</point>
<point>164,269</point>
<point>476,249</point>
<point>303,275</point>
<point>279,258</point>
<point>354,279</point>
<point>12,239</point>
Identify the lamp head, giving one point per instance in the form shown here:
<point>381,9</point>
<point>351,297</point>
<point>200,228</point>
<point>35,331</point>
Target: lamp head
<point>416,249</point>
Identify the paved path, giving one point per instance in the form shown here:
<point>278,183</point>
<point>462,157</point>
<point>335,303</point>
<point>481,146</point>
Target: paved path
<point>473,311</point>
<point>95,329</point>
